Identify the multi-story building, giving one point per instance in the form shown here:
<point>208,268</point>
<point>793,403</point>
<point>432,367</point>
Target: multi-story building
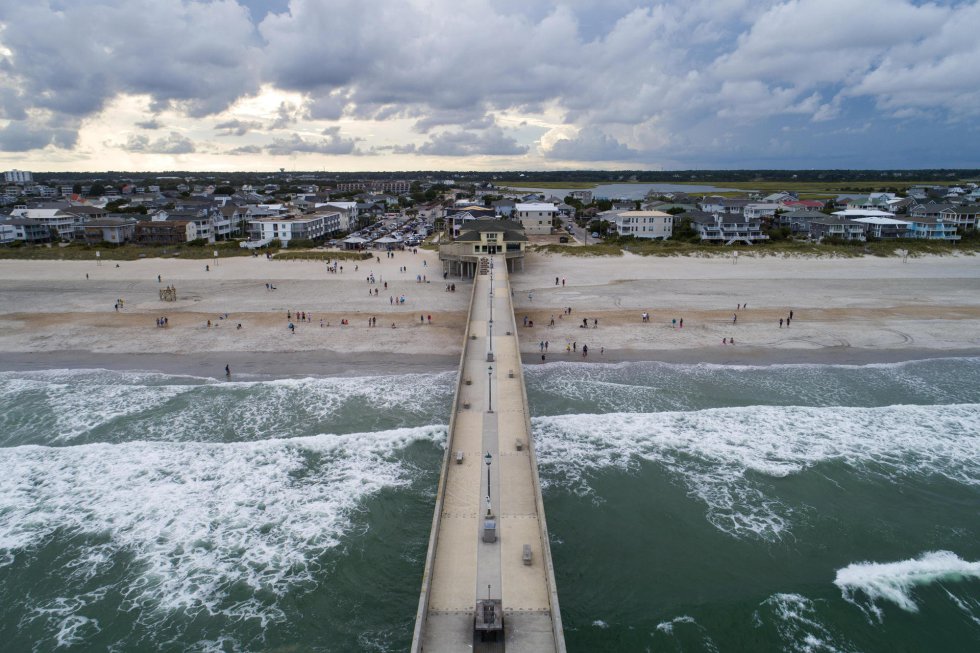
<point>583,196</point>
<point>116,230</point>
<point>313,227</point>
<point>964,217</point>
<point>827,226</point>
<point>644,224</point>
<point>722,205</point>
<point>931,229</point>
<point>760,210</point>
<point>18,177</point>
<point>165,232</point>
<point>59,223</point>
<point>536,217</point>
<point>883,227</point>
<point>29,231</point>
<point>201,219</point>
<point>727,228</point>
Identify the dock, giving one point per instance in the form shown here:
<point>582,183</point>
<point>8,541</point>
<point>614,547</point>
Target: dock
<point>488,582</point>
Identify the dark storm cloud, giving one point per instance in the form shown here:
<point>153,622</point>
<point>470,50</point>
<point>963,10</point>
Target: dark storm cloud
<point>591,145</point>
<point>635,79</point>
<point>490,142</point>
<point>19,137</point>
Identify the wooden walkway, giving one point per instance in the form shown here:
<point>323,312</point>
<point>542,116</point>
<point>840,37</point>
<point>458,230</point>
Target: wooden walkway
<point>483,588</point>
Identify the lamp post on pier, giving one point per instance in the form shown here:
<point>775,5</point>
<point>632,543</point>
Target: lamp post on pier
<point>488,459</point>
<point>490,389</point>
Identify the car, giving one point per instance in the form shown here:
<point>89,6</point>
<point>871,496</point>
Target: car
<point>563,239</point>
<point>595,234</point>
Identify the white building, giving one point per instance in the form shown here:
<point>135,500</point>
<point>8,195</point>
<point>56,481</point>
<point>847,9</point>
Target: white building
<point>286,228</point>
<point>348,216</point>
<point>536,217</point>
<point>18,177</point>
<point>760,210</point>
<point>644,224</point>
<point>56,220</point>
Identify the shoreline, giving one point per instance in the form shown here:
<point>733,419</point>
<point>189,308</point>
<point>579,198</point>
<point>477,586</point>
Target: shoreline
<point>244,365</point>
<point>756,356</point>
<point>274,365</point>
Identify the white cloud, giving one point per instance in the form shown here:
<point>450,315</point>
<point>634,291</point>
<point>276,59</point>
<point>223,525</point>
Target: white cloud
<point>174,143</point>
<point>333,143</point>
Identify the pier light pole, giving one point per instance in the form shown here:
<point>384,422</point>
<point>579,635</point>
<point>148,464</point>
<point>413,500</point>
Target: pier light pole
<point>490,341</point>
<point>490,390</point>
<point>489,459</point>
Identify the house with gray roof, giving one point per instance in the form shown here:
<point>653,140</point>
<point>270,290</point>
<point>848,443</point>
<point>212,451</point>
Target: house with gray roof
<point>829,226</point>
<point>112,229</point>
<point>727,228</point>
<point>964,217</point>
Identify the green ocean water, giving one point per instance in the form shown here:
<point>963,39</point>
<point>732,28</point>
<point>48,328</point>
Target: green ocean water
<point>691,507</point>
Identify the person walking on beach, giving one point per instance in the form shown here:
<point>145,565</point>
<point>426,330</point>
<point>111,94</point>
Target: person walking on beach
<point>681,324</point>
<point>585,351</point>
<point>791,315</point>
<point>556,281</point>
<point>227,371</point>
<point>734,318</point>
<point>780,323</point>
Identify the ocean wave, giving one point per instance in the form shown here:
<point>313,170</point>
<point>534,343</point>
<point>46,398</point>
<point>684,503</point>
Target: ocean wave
<point>60,407</point>
<point>794,618</point>
<point>727,457</point>
<point>866,583</point>
<point>212,529</point>
<point>653,386</point>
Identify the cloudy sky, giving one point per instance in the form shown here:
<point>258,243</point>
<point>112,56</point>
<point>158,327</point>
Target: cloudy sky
<point>480,84</point>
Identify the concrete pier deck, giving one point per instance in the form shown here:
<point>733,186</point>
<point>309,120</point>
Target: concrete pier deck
<point>490,424</point>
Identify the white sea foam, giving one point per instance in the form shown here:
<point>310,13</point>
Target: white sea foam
<point>866,583</point>
<point>795,620</point>
<point>67,405</point>
<point>599,623</point>
<point>655,386</point>
<point>686,629</point>
<point>727,457</point>
<point>201,521</point>
<point>668,626</point>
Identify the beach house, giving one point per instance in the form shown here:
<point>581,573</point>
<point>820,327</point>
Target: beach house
<point>536,217</point>
<point>643,224</point>
<point>727,228</point>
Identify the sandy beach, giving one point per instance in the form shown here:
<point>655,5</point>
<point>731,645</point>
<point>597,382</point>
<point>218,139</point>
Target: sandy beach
<point>845,310</point>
